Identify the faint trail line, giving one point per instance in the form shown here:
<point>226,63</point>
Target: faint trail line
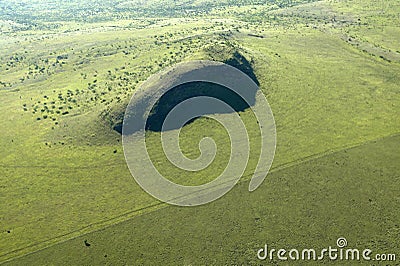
<point>97,226</point>
<point>63,167</point>
<point>101,225</point>
<point>329,152</point>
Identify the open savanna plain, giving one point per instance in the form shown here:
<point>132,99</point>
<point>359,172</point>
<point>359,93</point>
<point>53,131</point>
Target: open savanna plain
<point>329,69</point>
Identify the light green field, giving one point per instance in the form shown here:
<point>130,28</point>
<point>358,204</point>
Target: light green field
<point>329,69</point>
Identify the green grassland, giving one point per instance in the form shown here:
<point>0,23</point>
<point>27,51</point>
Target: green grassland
<point>329,69</point>
<point>353,192</point>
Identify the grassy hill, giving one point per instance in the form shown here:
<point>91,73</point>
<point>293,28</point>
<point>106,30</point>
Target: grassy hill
<point>329,69</point>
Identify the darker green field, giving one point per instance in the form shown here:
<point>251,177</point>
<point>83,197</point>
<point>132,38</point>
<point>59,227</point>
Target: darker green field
<point>352,193</point>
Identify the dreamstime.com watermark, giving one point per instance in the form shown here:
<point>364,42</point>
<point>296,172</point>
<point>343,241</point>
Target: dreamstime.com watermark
<point>150,93</point>
<point>340,252</point>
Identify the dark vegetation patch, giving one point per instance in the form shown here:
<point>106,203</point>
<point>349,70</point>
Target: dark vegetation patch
<point>256,36</point>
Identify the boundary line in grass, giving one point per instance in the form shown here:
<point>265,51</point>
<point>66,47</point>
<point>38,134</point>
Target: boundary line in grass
<point>102,225</point>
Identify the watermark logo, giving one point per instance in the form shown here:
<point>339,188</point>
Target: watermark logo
<point>341,242</point>
<point>340,252</point>
<point>146,98</point>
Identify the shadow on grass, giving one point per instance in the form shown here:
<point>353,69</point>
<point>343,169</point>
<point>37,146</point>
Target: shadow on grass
<point>199,89</point>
